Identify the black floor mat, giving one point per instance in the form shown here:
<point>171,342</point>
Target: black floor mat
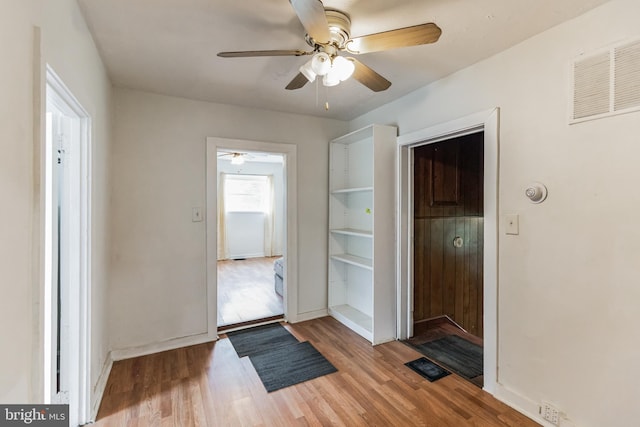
<point>260,338</point>
<point>427,369</point>
<point>288,365</point>
<point>278,357</point>
<point>456,354</point>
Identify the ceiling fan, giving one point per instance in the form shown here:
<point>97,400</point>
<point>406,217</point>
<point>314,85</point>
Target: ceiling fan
<point>236,157</point>
<point>328,34</point>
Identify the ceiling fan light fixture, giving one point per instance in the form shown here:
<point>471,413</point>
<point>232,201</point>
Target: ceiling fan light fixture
<point>330,79</point>
<point>342,67</point>
<point>321,63</point>
<point>307,71</point>
<point>237,159</point>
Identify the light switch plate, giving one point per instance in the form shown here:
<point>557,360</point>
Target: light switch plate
<point>196,214</point>
<point>511,224</point>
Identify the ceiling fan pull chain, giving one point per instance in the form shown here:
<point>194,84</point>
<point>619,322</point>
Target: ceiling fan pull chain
<point>326,97</point>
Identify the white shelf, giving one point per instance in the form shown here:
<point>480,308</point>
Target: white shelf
<point>352,190</point>
<point>356,136</point>
<point>353,232</point>
<point>362,168</point>
<point>354,260</point>
<point>354,319</point>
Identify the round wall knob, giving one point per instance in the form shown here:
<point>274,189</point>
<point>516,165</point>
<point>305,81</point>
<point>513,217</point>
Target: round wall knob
<point>458,242</point>
<point>536,192</point>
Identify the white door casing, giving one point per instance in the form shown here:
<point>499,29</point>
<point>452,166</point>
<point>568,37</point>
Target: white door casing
<point>487,121</point>
<point>290,250</point>
<point>65,179</point>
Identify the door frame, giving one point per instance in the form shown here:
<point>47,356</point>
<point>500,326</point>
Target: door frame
<point>290,247</point>
<point>58,96</point>
<point>487,122</point>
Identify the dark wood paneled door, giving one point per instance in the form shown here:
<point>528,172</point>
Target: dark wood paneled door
<point>448,231</point>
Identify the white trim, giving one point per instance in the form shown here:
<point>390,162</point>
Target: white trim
<point>253,325</point>
<point>63,100</point>
<point>158,347</point>
<point>99,388</point>
<point>290,250</point>
<point>487,121</point>
<point>246,256</point>
<point>310,315</point>
<point>524,405</point>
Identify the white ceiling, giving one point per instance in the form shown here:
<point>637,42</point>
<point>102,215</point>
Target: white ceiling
<point>170,46</point>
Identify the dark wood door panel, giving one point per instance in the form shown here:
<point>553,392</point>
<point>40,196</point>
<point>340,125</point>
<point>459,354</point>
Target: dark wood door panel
<point>448,178</point>
<point>445,175</point>
<point>472,279</point>
<point>422,270</point>
<point>448,193</point>
<point>448,279</point>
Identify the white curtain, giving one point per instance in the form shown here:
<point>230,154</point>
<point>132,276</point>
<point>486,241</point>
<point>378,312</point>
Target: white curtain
<point>269,219</point>
<point>222,227</point>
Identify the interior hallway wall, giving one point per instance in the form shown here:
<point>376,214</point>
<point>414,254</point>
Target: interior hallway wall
<point>568,283</point>
<point>68,47</point>
<point>158,267</point>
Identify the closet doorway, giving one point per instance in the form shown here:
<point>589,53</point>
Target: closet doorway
<point>448,232</point>
<point>250,241</point>
<point>484,123</point>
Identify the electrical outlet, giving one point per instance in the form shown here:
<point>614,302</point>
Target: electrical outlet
<point>550,413</point>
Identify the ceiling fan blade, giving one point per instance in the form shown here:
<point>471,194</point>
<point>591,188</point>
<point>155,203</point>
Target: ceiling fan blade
<point>314,20</point>
<point>368,77</point>
<point>251,53</point>
<point>297,82</point>
<point>401,37</point>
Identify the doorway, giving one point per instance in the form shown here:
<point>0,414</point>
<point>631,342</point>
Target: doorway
<point>251,220</point>
<point>67,242</point>
<point>448,253</point>
<point>488,123</point>
<point>289,271</point>
<point>448,233</point>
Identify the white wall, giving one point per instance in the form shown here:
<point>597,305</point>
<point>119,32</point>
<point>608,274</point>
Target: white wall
<point>568,284</point>
<point>16,192</point>
<point>68,47</point>
<point>245,231</point>
<point>158,287</point>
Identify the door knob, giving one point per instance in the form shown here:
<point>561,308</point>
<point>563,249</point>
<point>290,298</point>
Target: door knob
<point>458,242</point>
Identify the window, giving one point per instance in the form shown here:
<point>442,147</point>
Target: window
<point>246,193</point>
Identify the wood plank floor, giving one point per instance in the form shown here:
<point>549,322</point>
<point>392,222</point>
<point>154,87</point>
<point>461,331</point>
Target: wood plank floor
<point>246,291</point>
<point>208,385</point>
<point>433,329</point>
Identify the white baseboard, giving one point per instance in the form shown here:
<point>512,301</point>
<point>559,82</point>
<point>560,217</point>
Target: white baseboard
<point>309,315</point>
<point>246,256</point>
<point>143,350</point>
<point>520,403</point>
<point>99,387</point>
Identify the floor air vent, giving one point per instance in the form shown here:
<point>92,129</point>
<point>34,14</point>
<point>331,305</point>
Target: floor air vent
<point>607,83</point>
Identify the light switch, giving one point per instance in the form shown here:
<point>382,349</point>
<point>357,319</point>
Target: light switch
<point>511,224</point>
<point>196,214</point>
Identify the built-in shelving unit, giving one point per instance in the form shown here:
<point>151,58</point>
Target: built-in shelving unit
<point>362,232</point>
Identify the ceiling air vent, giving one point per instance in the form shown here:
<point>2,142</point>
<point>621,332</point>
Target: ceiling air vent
<point>607,82</point>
